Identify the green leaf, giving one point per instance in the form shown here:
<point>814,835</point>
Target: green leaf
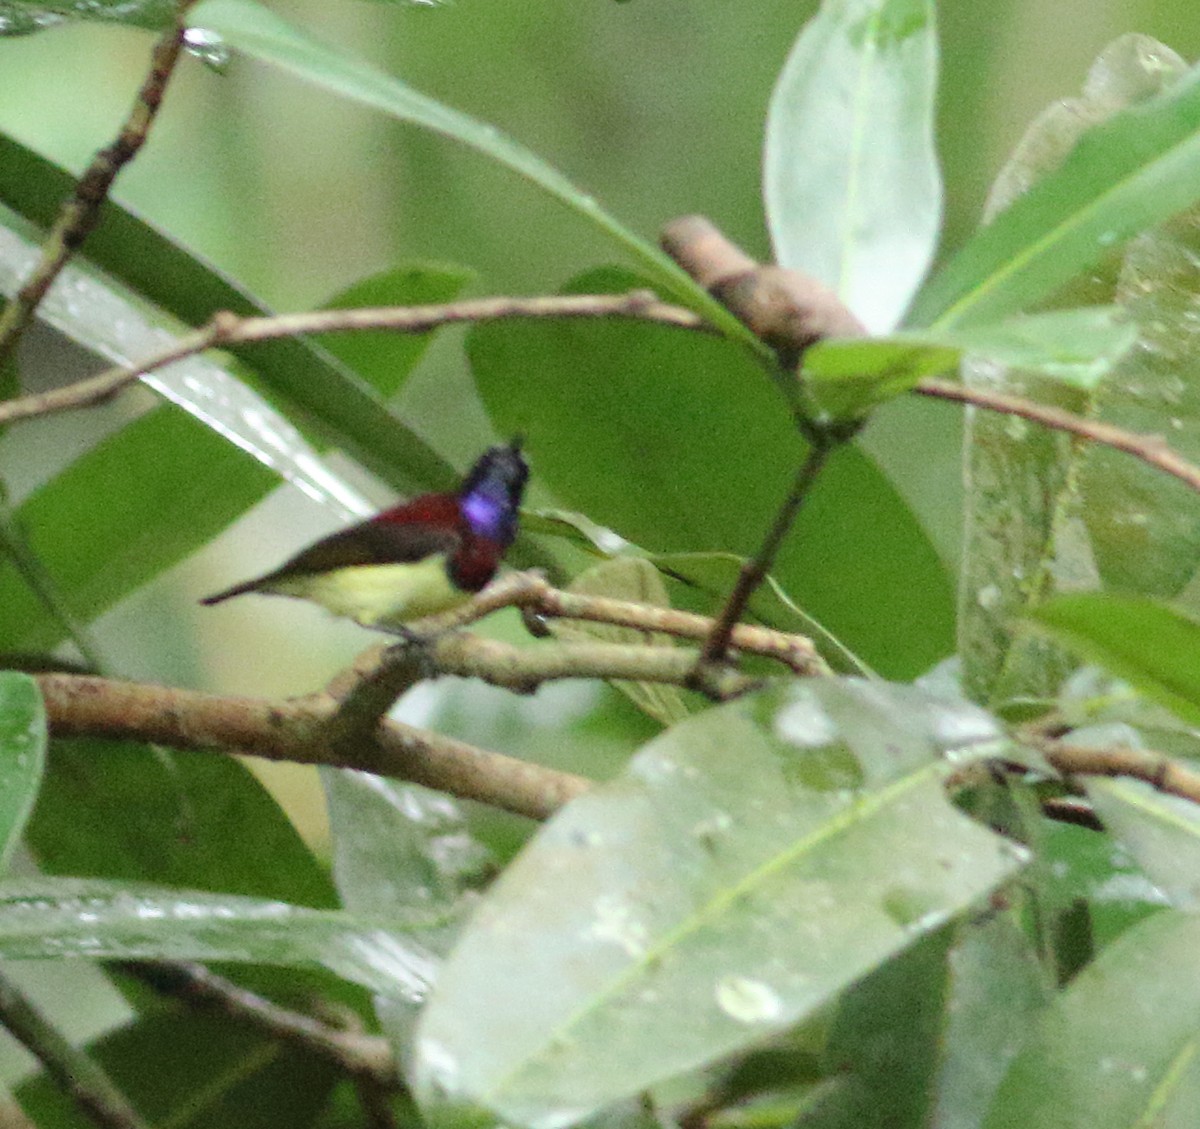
<point>384,360</point>
<point>628,578</point>
<point>1129,173</point>
<point>55,918</point>
<point>714,574</point>
<point>1046,513</point>
<point>193,1071</point>
<point>1143,641</point>
<point>851,183</point>
<point>23,17</point>
<point>846,379</point>
<point>178,488</point>
<point>22,756</point>
<point>131,812</point>
<point>885,1042</point>
<point>403,850</point>
<point>1078,347</point>
<point>1161,832</point>
<point>305,381</point>
<point>702,900</point>
<point>259,34</point>
<point>996,990</point>
<point>1084,1066</point>
<point>676,442</point>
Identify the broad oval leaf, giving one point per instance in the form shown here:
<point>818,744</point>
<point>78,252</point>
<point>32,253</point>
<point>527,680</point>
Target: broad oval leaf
<point>678,442</point>
<point>850,177</point>
<point>1117,1049</point>
<point>22,756</point>
<point>749,864</point>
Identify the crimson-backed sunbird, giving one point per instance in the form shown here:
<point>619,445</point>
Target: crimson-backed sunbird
<point>413,560</point>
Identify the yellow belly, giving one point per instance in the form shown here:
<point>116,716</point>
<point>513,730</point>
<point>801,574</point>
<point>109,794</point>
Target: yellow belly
<point>379,594</point>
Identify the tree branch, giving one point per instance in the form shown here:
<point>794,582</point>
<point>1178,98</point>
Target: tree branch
<point>1156,769</point>
<point>80,214</point>
<point>298,730</point>
<point>353,1053</point>
<point>1151,449</point>
<point>225,328</point>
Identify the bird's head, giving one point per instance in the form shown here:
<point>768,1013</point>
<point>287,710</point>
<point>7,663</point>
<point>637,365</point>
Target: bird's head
<point>491,493</point>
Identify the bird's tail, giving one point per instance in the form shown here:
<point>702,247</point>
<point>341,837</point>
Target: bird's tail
<point>229,593</point>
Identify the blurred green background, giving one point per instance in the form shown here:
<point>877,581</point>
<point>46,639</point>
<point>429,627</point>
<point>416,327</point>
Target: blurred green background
<point>655,106</point>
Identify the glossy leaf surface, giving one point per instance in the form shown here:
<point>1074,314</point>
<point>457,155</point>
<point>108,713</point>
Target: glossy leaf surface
<point>1048,514</point>
<point>1123,176</point>
<point>1080,1068</point>
<point>55,918</point>
<point>1160,831</point>
<point>22,756</point>
<point>23,17</point>
<point>702,901</point>
<point>850,178</point>
<point>308,384</point>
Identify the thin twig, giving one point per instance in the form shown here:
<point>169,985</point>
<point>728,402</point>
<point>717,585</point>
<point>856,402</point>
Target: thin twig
<point>79,215</point>
<point>225,328</point>
<point>1150,449</point>
<point>524,669</point>
<point>532,593</point>
<point>1155,769</point>
<point>359,1055</point>
<point>754,572</point>
<point>70,1068</point>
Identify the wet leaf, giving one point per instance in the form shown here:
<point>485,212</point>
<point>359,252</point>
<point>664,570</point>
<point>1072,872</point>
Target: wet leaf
<point>1048,514</point>
<point>1135,169</point>
<point>23,17</point>
<point>22,756</point>
<point>749,864</point>
<point>1081,1069</point>
<point>63,917</point>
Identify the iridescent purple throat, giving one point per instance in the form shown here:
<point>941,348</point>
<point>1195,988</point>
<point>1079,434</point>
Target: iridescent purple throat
<point>489,514</point>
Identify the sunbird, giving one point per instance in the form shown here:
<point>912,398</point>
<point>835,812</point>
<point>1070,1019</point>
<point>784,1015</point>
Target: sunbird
<point>426,556</point>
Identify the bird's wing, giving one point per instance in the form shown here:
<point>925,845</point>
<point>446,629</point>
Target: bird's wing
<point>372,542</point>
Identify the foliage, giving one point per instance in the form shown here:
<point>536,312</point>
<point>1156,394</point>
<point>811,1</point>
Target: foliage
<point>834,901</point>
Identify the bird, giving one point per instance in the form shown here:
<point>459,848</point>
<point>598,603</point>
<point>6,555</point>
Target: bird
<point>413,560</point>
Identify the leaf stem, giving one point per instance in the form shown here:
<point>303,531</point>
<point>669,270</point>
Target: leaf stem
<point>74,1071</point>
<point>754,572</point>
